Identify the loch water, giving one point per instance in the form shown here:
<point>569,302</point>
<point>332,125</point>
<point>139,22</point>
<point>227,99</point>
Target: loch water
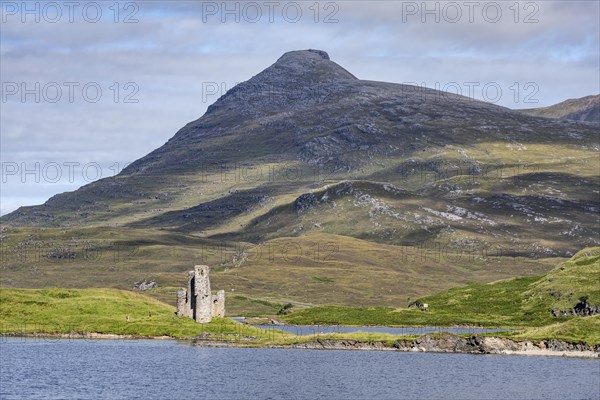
<point>41,368</point>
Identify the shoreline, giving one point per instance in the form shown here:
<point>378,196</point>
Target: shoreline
<point>447,343</point>
<point>507,347</point>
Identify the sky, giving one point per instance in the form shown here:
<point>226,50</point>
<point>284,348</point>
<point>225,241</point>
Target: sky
<point>87,87</point>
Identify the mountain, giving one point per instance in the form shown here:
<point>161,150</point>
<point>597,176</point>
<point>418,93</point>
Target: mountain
<point>584,109</point>
<point>381,190</point>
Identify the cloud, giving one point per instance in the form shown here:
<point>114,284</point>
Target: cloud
<point>175,47</point>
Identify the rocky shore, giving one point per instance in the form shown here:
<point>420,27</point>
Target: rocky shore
<point>449,343</point>
<point>432,343</point>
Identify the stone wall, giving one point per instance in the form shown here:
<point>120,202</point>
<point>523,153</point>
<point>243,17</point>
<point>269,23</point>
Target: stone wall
<point>182,303</point>
<point>218,306</point>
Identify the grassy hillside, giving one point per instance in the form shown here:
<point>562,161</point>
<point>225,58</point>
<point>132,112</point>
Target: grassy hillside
<point>107,311</point>
<point>518,302</point>
<point>576,330</point>
<point>316,268</point>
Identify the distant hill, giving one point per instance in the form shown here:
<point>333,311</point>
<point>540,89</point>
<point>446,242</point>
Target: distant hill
<point>584,109</point>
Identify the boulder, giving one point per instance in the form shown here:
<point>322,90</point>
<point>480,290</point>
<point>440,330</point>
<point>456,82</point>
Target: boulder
<point>145,285</point>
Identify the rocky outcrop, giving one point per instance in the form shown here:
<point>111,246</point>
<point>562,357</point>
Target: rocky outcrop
<point>581,309</point>
<point>322,344</point>
<point>449,343</point>
<point>145,285</point>
<point>305,202</point>
<point>419,305</point>
<point>439,343</point>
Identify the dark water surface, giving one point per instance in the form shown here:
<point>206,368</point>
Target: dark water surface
<point>165,369</point>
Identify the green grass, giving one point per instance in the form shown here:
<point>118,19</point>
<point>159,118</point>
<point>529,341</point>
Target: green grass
<point>323,279</point>
<point>105,311</point>
<point>563,286</point>
<point>576,330</point>
<point>497,304</point>
<point>519,303</point>
<point>108,311</point>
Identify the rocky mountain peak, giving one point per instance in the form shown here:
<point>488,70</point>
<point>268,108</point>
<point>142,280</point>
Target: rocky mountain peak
<point>297,78</point>
<point>310,53</point>
<point>312,65</point>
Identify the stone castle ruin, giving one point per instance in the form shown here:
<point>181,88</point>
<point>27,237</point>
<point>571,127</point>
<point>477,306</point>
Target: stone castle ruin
<point>197,301</point>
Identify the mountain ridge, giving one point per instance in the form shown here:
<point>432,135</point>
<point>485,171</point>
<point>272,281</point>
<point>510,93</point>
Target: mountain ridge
<point>586,109</point>
<point>364,165</point>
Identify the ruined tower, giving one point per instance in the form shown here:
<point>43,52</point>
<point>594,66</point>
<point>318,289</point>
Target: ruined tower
<point>203,310</point>
<point>197,301</point>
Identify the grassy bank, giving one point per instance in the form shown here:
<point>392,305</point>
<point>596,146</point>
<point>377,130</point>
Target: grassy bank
<point>111,311</point>
<point>576,330</point>
<point>108,311</point>
<point>525,303</point>
<point>497,304</point>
